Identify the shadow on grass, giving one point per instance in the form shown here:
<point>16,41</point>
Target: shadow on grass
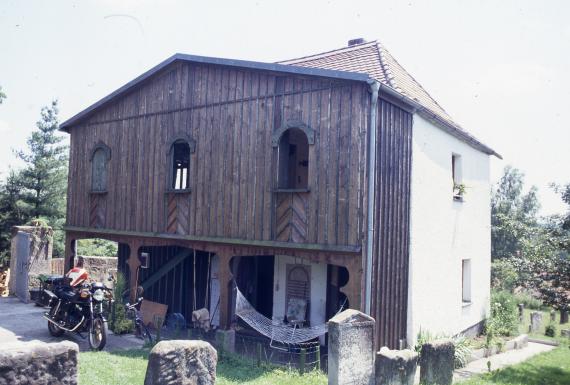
<point>541,375</point>
<point>230,367</point>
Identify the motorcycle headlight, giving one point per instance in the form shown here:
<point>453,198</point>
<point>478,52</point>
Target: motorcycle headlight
<point>99,295</point>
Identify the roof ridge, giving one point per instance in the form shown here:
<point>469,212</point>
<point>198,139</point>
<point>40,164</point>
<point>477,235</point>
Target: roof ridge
<point>327,53</point>
<point>381,47</point>
<point>384,66</point>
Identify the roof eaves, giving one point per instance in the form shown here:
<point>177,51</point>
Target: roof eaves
<point>443,124</point>
<point>272,67</point>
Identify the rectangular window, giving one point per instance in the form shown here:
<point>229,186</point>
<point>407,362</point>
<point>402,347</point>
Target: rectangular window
<point>457,177</point>
<point>466,280</point>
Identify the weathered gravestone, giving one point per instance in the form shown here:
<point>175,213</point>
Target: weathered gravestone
<point>437,363</point>
<point>38,363</point>
<point>521,311</point>
<point>565,333</point>
<point>563,316</point>
<point>181,363</point>
<point>396,367</point>
<point>30,256</point>
<point>351,349</point>
<point>535,321</point>
<point>553,315</point>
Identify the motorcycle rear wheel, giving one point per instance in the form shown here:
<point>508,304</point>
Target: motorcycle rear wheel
<point>55,330</point>
<point>98,334</point>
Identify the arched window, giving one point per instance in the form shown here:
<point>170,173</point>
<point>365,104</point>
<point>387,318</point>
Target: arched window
<point>179,153</point>
<point>100,156</point>
<point>293,159</point>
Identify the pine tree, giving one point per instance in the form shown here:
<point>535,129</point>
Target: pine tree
<point>44,178</point>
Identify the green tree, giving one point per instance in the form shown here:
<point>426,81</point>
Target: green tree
<point>2,95</point>
<point>13,212</point>
<point>513,215</point>
<point>43,180</point>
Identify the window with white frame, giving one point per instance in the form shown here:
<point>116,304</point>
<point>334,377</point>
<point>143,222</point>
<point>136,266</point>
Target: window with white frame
<point>457,177</point>
<point>466,280</point>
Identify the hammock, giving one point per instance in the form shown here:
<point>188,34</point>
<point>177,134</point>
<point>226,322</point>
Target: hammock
<point>272,329</point>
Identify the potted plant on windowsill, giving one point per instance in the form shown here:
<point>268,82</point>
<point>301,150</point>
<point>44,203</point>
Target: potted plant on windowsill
<point>459,190</point>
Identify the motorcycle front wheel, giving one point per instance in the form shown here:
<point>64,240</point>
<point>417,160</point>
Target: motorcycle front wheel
<point>55,330</point>
<point>98,334</point>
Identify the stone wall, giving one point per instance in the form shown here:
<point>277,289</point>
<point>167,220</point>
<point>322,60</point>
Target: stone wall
<point>39,363</point>
<point>99,268</point>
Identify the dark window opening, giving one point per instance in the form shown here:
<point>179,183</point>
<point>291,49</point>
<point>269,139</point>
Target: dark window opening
<point>293,160</point>
<point>180,165</point>
<point>99,170</point>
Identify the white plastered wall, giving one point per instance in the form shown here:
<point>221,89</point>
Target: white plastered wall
<point>444,231</point>
<point>318,288</point>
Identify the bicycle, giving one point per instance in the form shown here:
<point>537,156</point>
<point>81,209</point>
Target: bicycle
<point>141,330</point>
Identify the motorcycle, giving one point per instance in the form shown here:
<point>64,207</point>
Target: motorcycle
<point>78,306</point>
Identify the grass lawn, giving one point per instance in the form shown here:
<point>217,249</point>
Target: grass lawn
<point>551,368</point>
<point>129,367</point>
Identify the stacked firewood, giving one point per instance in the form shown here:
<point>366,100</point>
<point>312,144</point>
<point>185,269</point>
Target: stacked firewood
<point>4,282</point>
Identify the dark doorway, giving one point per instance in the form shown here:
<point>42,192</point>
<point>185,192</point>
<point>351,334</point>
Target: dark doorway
<point>254,279</point>
<point>337,277</point>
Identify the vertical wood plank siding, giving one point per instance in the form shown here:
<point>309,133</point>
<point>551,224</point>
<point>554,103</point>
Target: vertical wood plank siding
<point>392,219</point>
<point>231,114</point>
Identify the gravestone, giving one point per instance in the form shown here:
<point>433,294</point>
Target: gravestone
<point>565,333</point>
<point>553,315</point>
<point>351,349</point>
<point>563,317</point>
<point>31,252</point>
<point>535,321</point>
<point>39,363</point>
<point>521,311</point>
<point>437,363</point>
<point>396,367</point>
<point>181,362</point>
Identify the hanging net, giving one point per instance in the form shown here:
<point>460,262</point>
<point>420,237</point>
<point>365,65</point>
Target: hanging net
<point>274,330</point>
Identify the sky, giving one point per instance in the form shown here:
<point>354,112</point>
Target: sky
<point>499,68</point>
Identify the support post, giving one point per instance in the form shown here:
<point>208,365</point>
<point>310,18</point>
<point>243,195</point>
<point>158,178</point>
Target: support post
<point>353,286</point>
<point>70,252</point>
<point>225,289</point>
<point>134,264</point>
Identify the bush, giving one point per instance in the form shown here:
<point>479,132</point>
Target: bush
<point>504,315</point>
<point>529,301</point>
<point>504,275</point>
<point>119,323</point>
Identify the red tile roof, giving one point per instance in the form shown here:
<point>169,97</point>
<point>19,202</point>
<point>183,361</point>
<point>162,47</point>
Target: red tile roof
<point>374,59</point>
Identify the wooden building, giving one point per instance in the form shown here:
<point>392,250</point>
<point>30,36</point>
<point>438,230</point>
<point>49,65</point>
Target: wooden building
<point>292,180</point>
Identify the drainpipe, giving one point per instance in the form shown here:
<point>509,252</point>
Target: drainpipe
<point>374,87</point>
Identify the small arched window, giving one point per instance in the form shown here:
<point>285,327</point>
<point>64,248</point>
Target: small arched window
<point>99,160</point>
<point>179,154</point>
<point>293,160</point>
<point>292,141</point>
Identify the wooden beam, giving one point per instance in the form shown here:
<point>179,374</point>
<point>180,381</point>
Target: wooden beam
<point>223,241</point>
<point>171,264</point>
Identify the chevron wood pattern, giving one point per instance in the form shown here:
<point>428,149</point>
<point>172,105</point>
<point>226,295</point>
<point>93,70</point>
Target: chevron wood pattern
<point>97,210</point>
<point>178,205</point>
<point>291,217</point>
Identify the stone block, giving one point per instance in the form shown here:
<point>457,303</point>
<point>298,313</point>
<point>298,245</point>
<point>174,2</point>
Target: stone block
<point>396,367</point>
<point>535,321</point>
<point>226,340</point>
<point>521,341</point>
<point>565,333</point>
<point>437,363</point>
<point>351,349</point>
<point>181,362</point>
<point>39,363</point>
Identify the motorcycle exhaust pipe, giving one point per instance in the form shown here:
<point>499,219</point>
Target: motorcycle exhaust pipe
<point>63,327</point>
